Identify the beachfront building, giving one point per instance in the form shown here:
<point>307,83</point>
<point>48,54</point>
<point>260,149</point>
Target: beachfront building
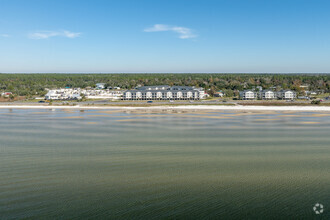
<point>53,95</point>
<point>286,94</point>
<point>77,93</point>
<point>247,95</point>
<point>63,94</point>
<point>267,95</point>
<point>164,92</point>
<point>202,93</point>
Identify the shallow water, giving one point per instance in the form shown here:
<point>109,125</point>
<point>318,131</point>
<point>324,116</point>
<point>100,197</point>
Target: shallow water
<point>147,165</point>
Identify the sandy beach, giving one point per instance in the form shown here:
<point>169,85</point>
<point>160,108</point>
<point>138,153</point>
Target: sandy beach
<point>178,107</point>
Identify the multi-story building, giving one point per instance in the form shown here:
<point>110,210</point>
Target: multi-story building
<point>267,95</point>
<point>247,95</point>
<point>164,92</point>
<point>286,94</point>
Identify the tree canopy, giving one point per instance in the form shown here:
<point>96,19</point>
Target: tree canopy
<point>35,84</point>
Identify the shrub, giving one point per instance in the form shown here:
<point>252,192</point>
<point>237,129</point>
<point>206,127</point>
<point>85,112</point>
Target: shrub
<point>316,102</point>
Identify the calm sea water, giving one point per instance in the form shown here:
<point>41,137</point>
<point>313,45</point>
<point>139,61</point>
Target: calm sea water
<point>163,165</point>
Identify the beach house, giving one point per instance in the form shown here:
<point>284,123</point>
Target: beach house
<point>286,94</point>
<point>247,95</point>
<point>267,95</point>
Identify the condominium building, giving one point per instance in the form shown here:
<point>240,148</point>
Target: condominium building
<point>248,95</point>
<point>267,94</point>
<point>164,92</point>
<point>286,94</point>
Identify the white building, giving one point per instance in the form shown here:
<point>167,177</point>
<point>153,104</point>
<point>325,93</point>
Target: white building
<point>164,92</point>
<point>247,95</point>
<point>202,93</point>
<point>100,85</point>
<point>286,94</point>
<point>77,93</point>
<point>267,95</point>
<point>53,95</point>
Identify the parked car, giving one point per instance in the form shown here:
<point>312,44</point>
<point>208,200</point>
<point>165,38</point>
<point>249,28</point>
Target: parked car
<point>149,101</point>
<point>171,100</point>
<point>41,101</point>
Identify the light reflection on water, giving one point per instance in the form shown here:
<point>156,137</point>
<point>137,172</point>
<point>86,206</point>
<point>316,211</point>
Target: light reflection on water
<point>144,164</point>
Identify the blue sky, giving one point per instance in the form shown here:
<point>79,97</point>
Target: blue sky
<point>276,36</point>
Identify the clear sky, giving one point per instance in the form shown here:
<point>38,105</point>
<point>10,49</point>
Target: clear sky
<point>165,36</point>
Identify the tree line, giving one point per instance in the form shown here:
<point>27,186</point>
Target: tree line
<point>35,84</point>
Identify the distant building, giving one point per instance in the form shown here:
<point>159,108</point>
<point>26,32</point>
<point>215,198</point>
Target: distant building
<point>53,95</point>
<point>310,93</point>
<point>286,94</point>
<point>247,95</point>
<point>77,93</point>
<point>62,94</point>
<point>164,92</point>
<point>6,94</point>
<point>267,95</point>
<point>202,93</point>
<point>219,93</point>
<point>100,85</point>
<point>303,97</point>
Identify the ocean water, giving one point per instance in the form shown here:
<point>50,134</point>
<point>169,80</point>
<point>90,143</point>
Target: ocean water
<point>113,164</point>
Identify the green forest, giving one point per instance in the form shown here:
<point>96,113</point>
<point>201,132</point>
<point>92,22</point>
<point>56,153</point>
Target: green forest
<point>36,84</point>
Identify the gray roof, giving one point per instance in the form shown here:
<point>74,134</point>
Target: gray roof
<point>166,87</point>
<point>182,87</point>
<point>162,90</point>
<point>152,87</point>
<point>287,90</point>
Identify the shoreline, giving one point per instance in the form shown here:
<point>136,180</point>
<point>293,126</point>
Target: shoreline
<point>179,107</point>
